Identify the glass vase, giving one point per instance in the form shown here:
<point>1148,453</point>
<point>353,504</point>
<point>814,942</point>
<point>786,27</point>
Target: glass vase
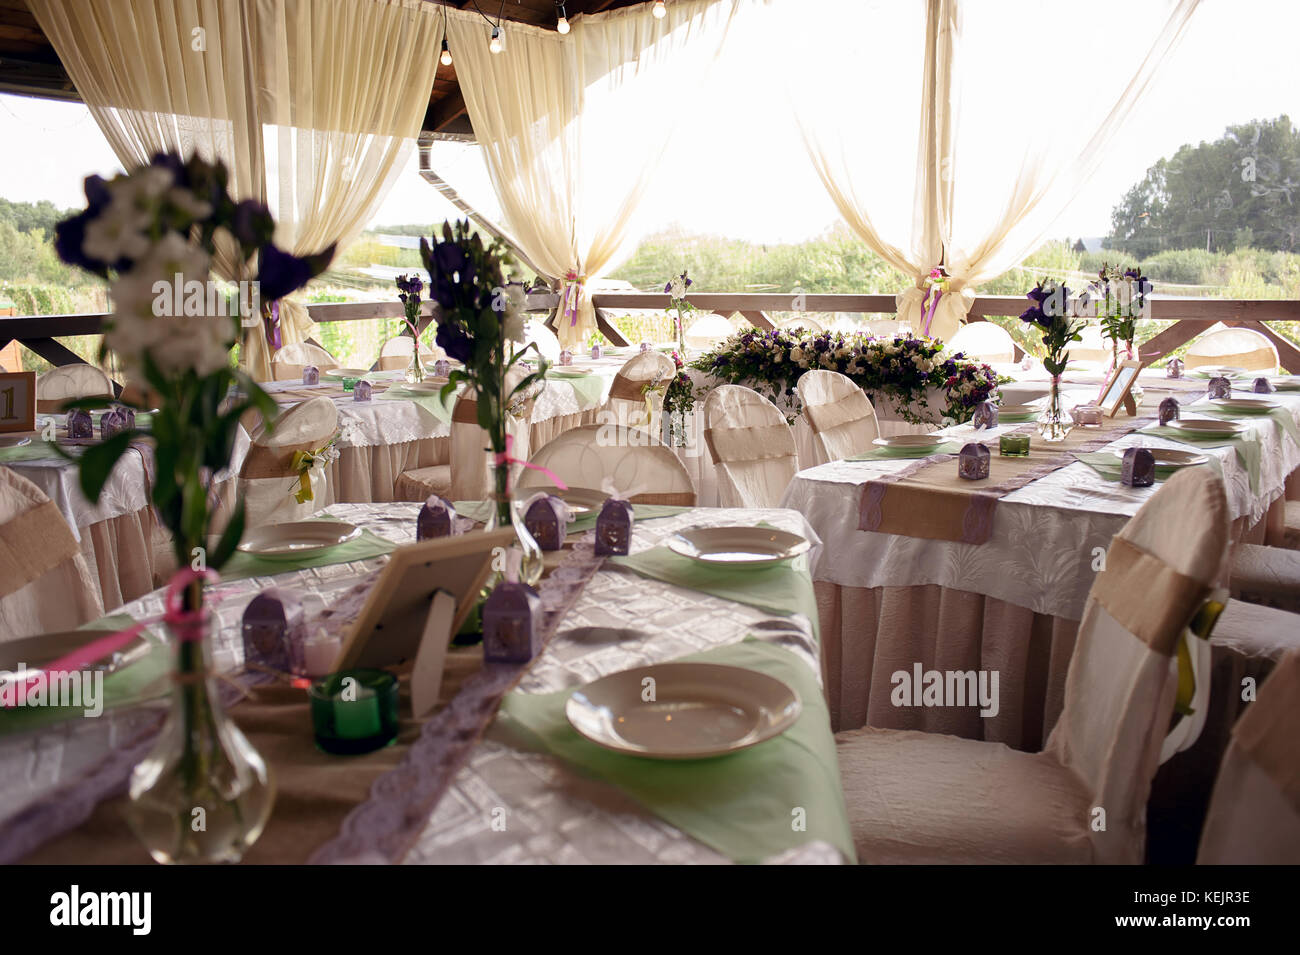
<point>1136,391</point>
<point>414,369</point>
<point>681,336</point>
<point>203,794</point>
<point>1054,422</point>
<point>504,514</point>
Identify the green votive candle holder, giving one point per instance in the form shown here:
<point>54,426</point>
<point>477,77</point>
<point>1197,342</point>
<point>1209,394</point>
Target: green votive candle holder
<point>354,711</point>
<point>1014,446</point>
<point>350,383</point>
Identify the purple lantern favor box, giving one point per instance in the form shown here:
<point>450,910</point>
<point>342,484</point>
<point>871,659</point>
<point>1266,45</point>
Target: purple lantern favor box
<point>985,416</point>
<point>437,519</point>
<point>441,368</point>
<point>80,424</point>
<point>512,617</point>
<point>973,462</point>
<point>1169,411</point>
<point>614,527</point>
<point>310,375</point>
<point>1219,388</point>
<point>596,350</point>
<point>274,631</point>
<point>547,519</point>
<point>1263,386</point>
<point>362,391</point>
<point>1139,469</point>
<point>115,421</point>
<point>1174,368</point>
<point>566,357</point>
<point>645,347</point>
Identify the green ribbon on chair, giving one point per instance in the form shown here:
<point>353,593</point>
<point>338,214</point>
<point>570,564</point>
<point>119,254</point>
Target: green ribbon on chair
<point>302,463</point>
<point>1202,626</point>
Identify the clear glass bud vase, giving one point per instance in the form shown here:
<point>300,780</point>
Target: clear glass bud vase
<point>1054,423</point>
<point>415,369</point>
<point>203,794</point>
<point>505,514</point>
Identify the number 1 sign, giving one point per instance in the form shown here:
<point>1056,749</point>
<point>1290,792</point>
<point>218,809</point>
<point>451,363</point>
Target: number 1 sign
<point>17,401</point>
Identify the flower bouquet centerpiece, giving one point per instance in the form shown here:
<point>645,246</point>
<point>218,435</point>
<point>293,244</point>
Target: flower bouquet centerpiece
<point>1050,313</point>
<point>679,404</point>
<point>480,320</point>
<point>203,793</point>
<point>409,288</point>
<point>1120,300</point>
<point>676,289</point>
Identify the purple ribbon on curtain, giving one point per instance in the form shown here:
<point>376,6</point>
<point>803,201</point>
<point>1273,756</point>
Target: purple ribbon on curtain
<point>569,297</point>
<point>935,285</point>
<point>271,322</point>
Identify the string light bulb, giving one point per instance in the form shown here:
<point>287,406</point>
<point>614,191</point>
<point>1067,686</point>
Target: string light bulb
<point>445,58</point>
<point>660,11</point>
<point>496,44</point>
<point>562,24</point>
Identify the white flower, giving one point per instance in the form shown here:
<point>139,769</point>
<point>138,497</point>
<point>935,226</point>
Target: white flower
<point>796,354</point>
<point>120,231</point>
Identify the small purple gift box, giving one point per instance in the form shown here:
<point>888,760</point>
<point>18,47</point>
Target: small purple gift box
<point>547,518</point>
<point>80,424</point>
<point>310,375</point>
<point>1174,368</point>
<point>512,617</point>
<point>1169,411</point>
<point>274,631</point>
<point>362,391</point>
<point>985,416</point>
<point>566,357</point>
<point>1139,469</point>
<point>1263,386</point>
<point>614,527</point>
<point>596,350</point>
<point>645,347</point>
<point>1219,388</point>
<point>115,421</point>
<point>973,462</point>
<point>437,519</point>
<point>441,368</point>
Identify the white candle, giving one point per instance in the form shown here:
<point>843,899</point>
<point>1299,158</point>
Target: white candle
<point>319,654</point>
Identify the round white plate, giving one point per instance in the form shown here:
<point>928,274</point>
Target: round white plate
<point>738,546</point>
<point>1219,371</point>
<point>698,710</point>
<point>432,387</point>
<point>1173,458</point>
<point>912,441</point>
<point>581,500</point>
<point>1016,413</point>
<point>14,440</point>
<point>1289,383</point>
<point>345,373</point>
<point>297,538</point>
<point>1246,405</point>
<point>1202,426</point>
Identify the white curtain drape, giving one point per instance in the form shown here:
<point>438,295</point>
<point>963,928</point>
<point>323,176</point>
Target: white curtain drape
<point>572,127</point>
<point>315,107</point>
<point>1011,105</point>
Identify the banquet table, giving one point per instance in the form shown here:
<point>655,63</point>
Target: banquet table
<point>63,784</point>
<point>1012,603</point>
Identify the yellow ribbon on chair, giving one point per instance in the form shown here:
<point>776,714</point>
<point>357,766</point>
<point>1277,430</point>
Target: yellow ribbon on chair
<point>1202,626</point>
<point>301,464</point>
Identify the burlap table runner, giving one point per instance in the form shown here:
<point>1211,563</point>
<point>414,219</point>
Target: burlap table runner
<point>930,501</point>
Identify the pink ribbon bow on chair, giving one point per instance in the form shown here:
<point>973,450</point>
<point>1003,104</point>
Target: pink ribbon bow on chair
<point>505,458</point>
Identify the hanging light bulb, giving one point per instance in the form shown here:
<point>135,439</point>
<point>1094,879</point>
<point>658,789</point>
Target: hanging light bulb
<point>496,44</point>
<point>445,58</point>
<point>562,25</point>
<point>660,11</point>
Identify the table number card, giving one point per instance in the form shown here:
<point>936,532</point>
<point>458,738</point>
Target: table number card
<point>18,401</point>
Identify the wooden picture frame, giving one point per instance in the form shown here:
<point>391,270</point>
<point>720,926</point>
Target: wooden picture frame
<point>1119,388</point>
<point>17,401</point>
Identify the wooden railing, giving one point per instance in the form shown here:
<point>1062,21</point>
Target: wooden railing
<point>1187,316</point>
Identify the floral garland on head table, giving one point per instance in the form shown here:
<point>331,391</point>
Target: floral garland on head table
<point>901,369</point>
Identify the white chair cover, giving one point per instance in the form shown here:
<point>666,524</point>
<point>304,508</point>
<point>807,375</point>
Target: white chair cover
<point>1093,347</point>
<point>839,413</point>
<point>1254,816</point>
<point>707,331</point>
<point>641,467</point>
<point>636,396</point>
<point>396,353</point>
<point>1233,347</point>
<point>804,322</point>
<point>927,798</point>
<point>751,445</point>
<point>45,584</point>
<point>470,457</point>
<point>536,333</point>
<point>67,382</point>
<point>983,341</point>
<point>288,363</point>
<point>267,481</point>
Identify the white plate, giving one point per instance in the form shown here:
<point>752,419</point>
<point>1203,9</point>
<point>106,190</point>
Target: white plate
<point>14,440</point>
<point>345,373</point>
<point>432,387</point>
<point>1219,371</point>
<point>297,538</point>
<point>1202,426</point>
<point>738,546</point>
<point>912,441</point>
<point>1246,405</point>
<point>699,710</point>
<point>1172,458</point>
<point>1013,413</point>
<point>33,653</point>
<point>1289,383</point>
<point>581,500</point>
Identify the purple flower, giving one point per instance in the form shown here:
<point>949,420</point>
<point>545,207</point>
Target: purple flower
<point>280,273</point>
<point>252,224</point>
<point>454,340</point>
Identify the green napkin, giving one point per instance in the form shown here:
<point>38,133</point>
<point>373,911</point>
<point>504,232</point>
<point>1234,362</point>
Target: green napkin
<point>479,511</point>
<point>144,680</point>
<point>35,451</point>
<point>883,453</point>
<point>1110,465</point>
<point>430,401</point>
<point>1279,416</point>
<point>784,588</point>
<point>743,804</point>
<point>588,388</point>
<point>368,545</point>
<point>1246,446</point>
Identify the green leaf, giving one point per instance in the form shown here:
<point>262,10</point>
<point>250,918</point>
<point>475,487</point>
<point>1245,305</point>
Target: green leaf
<point>98,461</point>
<point>230,538</point>
<point>194,513</point>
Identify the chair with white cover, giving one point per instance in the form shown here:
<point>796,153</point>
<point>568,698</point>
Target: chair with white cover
<point>287,363</point>
<point>920,798</point>
<point>395,355</point>
<point>1092,348</point>
<point>708,331</point>
<point>1269,576</point>
<point>839,414</point>
<point>1254,815</point>
<point>45,583</point>
<point>548,346</point>
<point>751,446</point>
<point>1233,348</point>
<point>983,341</point>
<point>66,383</point>
<point>269,482</point>
<point>802,321</point>
<point>636,396</point>
<point>639,465</point>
